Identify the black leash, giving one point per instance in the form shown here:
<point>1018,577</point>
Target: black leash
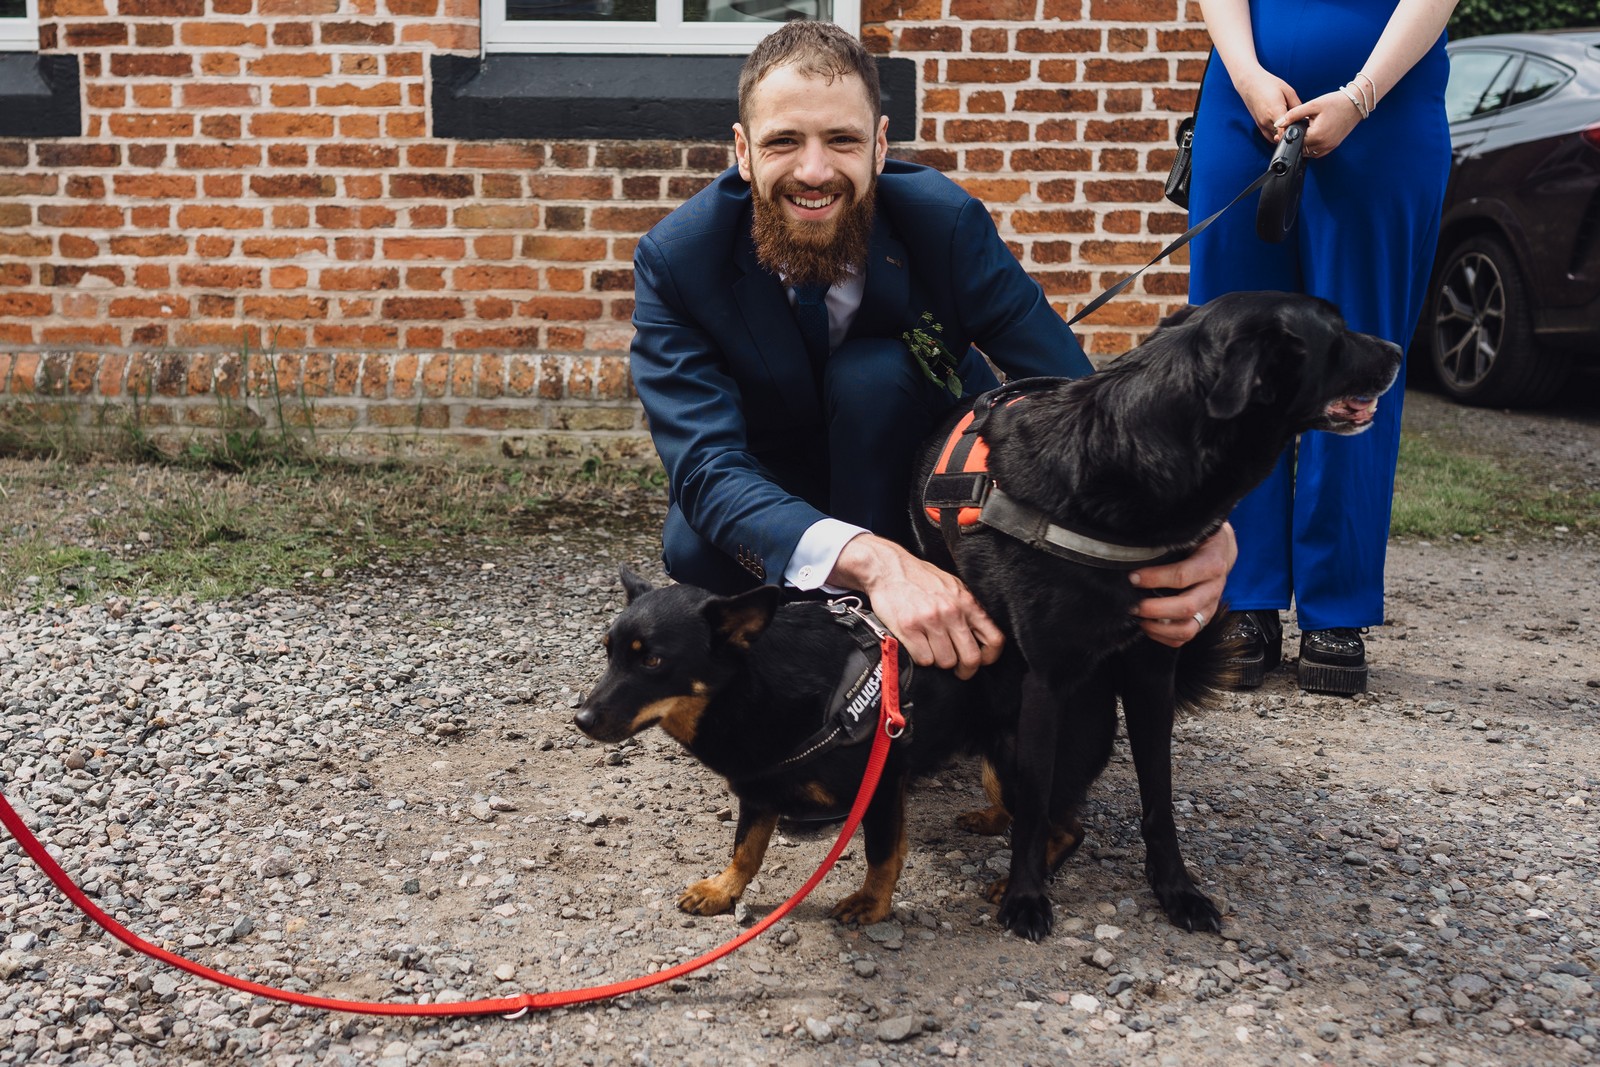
<point>1286,163</point>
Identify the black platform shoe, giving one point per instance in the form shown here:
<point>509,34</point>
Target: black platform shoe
<point>1333,661</point>
<point>1257,637</point>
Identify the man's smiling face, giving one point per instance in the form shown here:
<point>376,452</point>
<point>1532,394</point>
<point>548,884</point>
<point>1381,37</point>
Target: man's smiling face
<point>812,154</point>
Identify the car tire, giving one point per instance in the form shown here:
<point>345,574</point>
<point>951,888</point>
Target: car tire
<point>1478,330</point>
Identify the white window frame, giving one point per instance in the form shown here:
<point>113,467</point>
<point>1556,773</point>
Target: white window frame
<point>22,35</point>
<point>668,34</point>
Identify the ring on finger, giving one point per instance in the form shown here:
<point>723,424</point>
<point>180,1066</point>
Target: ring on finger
<point>1199,618</point>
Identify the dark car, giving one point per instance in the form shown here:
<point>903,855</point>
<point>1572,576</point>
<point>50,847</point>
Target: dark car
<point>1515,293</point>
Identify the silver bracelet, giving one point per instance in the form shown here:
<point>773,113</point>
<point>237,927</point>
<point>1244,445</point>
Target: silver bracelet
<point>1372,104</point>
<point>1354,96</point>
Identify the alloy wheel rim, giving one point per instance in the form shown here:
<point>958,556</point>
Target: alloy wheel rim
<point>1469,322</point>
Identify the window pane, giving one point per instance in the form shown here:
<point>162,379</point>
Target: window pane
<point>1499,91</point>
<point>13,9</point>
<point>578,10</point>
<point>1537,78</point>
<point>1470,75</point>
<point>756,10</point>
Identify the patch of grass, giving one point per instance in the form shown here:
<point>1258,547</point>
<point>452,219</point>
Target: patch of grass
<point>1449,489</point>
<point>85,530</point>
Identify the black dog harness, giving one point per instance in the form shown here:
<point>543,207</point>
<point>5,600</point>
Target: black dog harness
<point>961,496</point>
<point>851,714</point>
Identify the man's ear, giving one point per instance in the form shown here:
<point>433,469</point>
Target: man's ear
<point>741,619</point>
<point>880,145</point>
<point>633,585</point>
<point>741,152</point>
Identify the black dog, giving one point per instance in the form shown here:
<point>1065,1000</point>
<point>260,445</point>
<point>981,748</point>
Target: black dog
<point>750,688</point>
<point>1145,457</point>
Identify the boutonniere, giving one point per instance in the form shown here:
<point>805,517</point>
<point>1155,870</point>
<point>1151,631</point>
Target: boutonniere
<point>931,355</point>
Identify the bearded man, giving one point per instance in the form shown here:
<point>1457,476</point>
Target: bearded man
<point>779,317</point>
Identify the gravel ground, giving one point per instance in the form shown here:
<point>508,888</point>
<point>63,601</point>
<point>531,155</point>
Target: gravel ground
<point>375,790</point>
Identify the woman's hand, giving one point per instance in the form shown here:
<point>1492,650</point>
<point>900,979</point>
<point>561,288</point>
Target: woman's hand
<point>1333,115</point>
<point>1268,97</point>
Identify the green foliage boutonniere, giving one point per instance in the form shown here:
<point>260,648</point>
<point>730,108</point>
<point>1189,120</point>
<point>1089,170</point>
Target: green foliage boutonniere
<point>931,354</point>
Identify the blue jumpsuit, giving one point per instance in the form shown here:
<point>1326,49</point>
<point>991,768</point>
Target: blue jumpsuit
<point>1365,238</point>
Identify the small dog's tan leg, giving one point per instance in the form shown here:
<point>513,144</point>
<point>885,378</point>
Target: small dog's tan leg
<point>993,820</point>
<point>717,894</point>
<point>871,903</point>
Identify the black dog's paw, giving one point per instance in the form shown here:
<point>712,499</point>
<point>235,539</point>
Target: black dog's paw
<point>1027,916</point>
<point>1189,908</point>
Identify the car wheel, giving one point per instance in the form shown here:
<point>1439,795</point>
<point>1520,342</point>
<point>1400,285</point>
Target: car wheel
<point>1479,330</point>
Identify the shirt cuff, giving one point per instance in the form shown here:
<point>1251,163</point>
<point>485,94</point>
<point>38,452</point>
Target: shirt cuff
<point>817,552</point>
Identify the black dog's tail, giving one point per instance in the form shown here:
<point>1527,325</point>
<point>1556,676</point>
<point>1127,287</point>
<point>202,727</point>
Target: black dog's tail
<point>1204,668</point>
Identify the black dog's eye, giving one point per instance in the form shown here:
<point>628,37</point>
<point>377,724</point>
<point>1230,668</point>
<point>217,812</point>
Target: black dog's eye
<point>651,661</point>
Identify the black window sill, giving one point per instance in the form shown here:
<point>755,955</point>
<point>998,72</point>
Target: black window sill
<point>39,95</point>
<point>513,96</point>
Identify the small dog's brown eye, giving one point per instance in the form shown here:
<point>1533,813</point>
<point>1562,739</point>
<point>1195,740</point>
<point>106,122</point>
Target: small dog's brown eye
<point>651,661</point>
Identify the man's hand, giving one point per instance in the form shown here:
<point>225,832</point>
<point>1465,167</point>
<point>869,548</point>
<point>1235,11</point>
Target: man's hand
<point>933,614</point>
<point>1172,620</point>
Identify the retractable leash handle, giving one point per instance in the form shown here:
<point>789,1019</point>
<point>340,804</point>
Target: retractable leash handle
<point>890,724</point>
<point>1280,197</point>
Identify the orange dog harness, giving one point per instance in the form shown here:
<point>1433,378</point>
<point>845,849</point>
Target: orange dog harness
<point>961,497</point>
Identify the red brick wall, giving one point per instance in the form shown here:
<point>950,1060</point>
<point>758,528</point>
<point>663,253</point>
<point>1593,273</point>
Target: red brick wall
<point>257,177</point>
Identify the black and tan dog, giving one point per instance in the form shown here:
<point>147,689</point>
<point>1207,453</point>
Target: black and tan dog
<point>750,688</point>
<point>1090,478</point>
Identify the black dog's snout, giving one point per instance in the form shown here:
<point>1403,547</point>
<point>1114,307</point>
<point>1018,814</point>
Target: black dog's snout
<point>586,718</point>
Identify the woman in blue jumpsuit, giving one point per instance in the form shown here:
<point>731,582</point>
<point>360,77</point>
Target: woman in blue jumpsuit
<point>1370,77</point>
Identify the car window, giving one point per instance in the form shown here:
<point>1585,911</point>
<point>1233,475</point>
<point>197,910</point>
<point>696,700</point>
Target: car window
<point>1537,77</point>
<point>1473,74</point>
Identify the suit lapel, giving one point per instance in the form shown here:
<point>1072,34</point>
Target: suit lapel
<point>776,336</point>
<point>885,302</point>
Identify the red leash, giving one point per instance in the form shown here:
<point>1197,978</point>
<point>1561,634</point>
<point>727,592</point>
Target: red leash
<point>890,723</point>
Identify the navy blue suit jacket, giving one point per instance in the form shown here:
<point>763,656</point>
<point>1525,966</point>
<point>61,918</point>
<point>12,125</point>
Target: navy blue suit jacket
<point>723,374</point>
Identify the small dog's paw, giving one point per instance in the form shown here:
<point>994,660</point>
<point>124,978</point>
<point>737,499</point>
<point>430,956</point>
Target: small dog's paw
<point>1190,909</point>
<point>997,890</point>
<point>990,822</point>
<point>1027,916</point>
<point>706,897</point>
<point>862,908</point>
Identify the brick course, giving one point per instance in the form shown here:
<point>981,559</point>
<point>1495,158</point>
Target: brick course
<point>259,174</point>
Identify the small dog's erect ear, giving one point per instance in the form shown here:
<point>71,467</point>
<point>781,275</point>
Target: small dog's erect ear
<point>634,585</point>
<point>741,619</point>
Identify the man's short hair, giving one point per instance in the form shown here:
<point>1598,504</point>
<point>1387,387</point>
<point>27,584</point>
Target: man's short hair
<point>819,49</point>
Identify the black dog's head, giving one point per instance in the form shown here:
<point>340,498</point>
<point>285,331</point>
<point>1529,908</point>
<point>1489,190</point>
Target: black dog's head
<point>1286,351</point>
<point>668,653</point>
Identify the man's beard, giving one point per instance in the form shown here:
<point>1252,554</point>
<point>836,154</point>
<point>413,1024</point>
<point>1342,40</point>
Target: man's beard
<point>807,253</point>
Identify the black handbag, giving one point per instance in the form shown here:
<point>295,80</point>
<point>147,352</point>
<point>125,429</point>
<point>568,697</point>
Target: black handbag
<point>1182,165</point>
<point>1177,189</point>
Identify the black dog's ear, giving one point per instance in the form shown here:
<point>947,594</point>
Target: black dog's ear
<point>1236,377</point>
<point>633,585</point>
<point>741,619</point>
